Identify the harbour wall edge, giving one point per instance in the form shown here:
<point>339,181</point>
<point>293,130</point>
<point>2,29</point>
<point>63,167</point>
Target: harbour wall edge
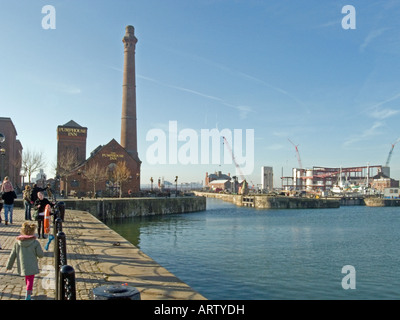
<point>114,208</point>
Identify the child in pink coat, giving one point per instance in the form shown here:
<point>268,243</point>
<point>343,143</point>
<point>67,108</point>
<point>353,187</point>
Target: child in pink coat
<point>26,252</point>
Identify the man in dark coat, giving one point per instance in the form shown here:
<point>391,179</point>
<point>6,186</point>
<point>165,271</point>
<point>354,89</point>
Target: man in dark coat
<point>34,193</point>
<point>8,198</point>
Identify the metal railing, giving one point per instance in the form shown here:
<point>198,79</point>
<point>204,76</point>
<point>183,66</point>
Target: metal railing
<point>64,273</point>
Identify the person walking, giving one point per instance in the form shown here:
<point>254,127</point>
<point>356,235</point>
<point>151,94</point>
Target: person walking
<point>26,252</point>
<point>39,206</point>
<point>8,197</point>
<point>34,192</point>
<point>26,196</point>
<point>1,207</point>
<point>6,186</point>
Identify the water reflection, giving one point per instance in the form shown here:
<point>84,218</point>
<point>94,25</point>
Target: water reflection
<point>229,252</point>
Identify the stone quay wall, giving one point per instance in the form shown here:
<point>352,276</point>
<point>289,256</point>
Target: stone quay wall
<point>273,202</point>
<point>111,208</point>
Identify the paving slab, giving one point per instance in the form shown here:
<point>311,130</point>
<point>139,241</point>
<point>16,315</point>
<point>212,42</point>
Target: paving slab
<point>99,256</point>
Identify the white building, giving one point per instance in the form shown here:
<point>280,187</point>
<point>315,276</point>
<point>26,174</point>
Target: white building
<point>391,193</point>
<point>267,178</point>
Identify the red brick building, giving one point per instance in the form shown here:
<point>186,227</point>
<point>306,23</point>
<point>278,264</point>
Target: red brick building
<point>10,153</point>
<point>71,138</point>
<point>380,182</point>
<point>106,158</point>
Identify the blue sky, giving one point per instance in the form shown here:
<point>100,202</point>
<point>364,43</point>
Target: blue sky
<point>285,69</point>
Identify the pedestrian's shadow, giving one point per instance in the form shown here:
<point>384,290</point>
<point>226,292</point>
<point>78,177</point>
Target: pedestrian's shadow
<point>41,297</point>
<point>12,296</point>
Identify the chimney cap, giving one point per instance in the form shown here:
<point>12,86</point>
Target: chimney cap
<point>129,34</point>
<point>130,29</point>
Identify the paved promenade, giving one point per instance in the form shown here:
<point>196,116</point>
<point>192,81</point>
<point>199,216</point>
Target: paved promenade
<point>99,257</point>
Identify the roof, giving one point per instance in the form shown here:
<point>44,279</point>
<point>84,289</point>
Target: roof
<point>9,121</point>
<point>380,175</point>
<point>218,175</point>
<point>218,181</point>
<point>72,124</point>
<point>100,147</point>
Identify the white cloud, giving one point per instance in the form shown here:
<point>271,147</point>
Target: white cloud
<point>379,113</point>
<point>384,113</point>
<point>371,36</point>
<point>68,89</point>
<point>275,147</point>
<point>243,110</point>
<point>53,85</point>
<point>366,134</point>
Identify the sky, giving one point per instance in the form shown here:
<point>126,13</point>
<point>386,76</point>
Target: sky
<point>268,70</point>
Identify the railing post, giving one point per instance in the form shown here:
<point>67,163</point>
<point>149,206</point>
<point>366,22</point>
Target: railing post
<point>60,255</point>
<point>57,226</point>
<point>66,283</point>
<point>64,274</point>
<point>61,210</point>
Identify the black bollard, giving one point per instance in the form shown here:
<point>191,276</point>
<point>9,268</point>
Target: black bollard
<point>66,283</point>
<point>60,255</point>
<point>57,226</point>
<point>61,209</point>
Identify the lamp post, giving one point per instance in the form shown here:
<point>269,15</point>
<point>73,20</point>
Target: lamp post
<point>2,153</point>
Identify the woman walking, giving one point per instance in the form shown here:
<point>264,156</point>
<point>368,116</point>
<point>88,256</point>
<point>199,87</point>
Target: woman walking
<point>27,202</point>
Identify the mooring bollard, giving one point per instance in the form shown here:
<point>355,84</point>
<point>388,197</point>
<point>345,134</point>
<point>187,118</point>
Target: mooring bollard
<point>60,255</point>
<point>57,227</point>
<point>66,283</point>
<point>116,293</point>
<point>61,208</point>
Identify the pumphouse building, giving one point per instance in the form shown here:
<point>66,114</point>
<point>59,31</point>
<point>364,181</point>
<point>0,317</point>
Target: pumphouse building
<point>96,175</point>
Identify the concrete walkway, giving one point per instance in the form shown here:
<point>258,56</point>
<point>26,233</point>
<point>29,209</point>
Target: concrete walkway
<point>99,257</point>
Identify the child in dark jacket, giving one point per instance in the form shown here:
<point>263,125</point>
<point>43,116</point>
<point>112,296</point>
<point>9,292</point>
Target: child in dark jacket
<point>40,205</point>
<point>26,250</point>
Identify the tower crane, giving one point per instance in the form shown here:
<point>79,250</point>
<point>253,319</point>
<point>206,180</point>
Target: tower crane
<point>390,153</point>
<point>297,153</point>
<point>234,160</point>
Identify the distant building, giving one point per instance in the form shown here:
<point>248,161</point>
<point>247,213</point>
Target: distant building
<point>267,178</point>
<point>216,176</point>
<point>381,182</point>
<point>391,193</point>
<point>41,179</point>
<point>322,178</point>
<point>223,184</point>
<point>10,153</point>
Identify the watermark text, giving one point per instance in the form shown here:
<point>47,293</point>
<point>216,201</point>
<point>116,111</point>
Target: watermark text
<point>188,147</point>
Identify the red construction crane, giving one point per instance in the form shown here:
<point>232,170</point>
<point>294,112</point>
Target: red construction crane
<point>297,153</point>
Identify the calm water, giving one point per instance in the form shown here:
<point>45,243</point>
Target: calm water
<point>230,252</point>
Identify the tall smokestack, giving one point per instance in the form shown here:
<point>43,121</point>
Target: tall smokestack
<point>128,117</point>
